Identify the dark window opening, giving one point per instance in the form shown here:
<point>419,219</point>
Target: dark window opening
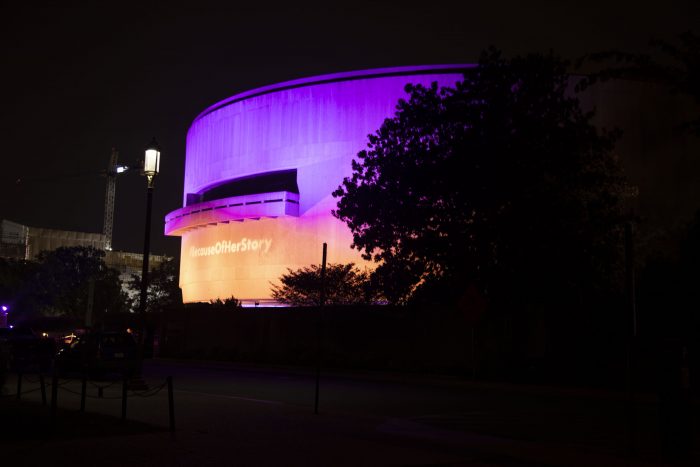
<point>283,180</point>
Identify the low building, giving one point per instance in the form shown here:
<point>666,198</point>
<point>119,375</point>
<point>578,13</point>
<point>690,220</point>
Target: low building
<point>18,241</point>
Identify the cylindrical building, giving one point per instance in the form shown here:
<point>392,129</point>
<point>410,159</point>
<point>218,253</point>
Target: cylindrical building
<point>260,170</point>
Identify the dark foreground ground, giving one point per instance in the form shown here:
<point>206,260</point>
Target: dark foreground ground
<point>243,415</point>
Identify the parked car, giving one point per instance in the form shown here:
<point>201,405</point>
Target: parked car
<point>25,350</point>
<point>99,354</point>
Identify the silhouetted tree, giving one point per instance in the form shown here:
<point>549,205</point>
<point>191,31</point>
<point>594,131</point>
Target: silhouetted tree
<point>15,286</point>
<point>227,303</point>
<point>345,285</point>
<point>669,273</point>
<point>668,288</point>
<point>163,287</point>
<point>501,181</point>
<point>675,65</point>
<point>61,283</point>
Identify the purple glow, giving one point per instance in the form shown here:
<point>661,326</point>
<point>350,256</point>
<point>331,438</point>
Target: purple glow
<point>315,126</point>
<point>334,77</point>
<point>3,316</point>
<point>237,208</point>
<point>282,126</point>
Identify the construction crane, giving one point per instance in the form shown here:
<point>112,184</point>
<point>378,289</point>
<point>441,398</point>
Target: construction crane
<point>113,169</point>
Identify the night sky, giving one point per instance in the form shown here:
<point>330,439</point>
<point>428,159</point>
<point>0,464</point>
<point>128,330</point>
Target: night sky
<point>80,80</point>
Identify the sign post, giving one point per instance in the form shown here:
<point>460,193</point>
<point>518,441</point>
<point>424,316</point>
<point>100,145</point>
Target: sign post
<point>321,301</point>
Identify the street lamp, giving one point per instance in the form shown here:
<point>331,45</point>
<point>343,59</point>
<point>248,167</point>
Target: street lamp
<point>151,161</point>
<point>151,167</point>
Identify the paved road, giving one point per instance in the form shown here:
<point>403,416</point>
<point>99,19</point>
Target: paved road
<point>245,415</point>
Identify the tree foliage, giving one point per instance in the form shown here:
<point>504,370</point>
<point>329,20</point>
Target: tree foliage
<point>345,284</point>
<point>675,65</point>
<point>62,280</point>
<point>163,287</point>
<point>15,284</point>
<point>231,303</point>
<point>501,181</point>
<point>668,291</point>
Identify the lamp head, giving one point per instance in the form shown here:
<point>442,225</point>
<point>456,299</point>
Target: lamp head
<point>151,160</point>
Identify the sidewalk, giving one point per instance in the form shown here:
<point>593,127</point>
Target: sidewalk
<point>261,437</point>
<point>419,379</point>
<point>215,429</point>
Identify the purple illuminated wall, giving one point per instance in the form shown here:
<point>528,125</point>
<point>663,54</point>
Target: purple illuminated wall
<point>316,126</point>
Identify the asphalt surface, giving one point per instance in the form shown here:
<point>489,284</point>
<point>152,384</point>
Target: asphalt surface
<point>227,414</point>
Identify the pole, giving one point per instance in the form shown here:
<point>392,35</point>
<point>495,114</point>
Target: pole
<point>83,391</point>
<point>144,273</point>
<point>321,302</point>
<point>19,385</point>
<point>42,384</point>
<point>146,249</point>
<point>473,352</point>
<point>54,394</point>
<point>631,337</point>
<point>630,277</point>
<point>125,383</point>
<point>171,404</point>
<point>90,303</point>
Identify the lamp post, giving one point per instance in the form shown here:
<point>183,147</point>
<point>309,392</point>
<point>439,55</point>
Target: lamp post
<point>151,167</point>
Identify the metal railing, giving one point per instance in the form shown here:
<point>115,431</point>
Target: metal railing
<point>58,382</point>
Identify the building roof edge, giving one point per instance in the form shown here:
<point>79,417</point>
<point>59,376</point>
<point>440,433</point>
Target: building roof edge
<point>335,77</point>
